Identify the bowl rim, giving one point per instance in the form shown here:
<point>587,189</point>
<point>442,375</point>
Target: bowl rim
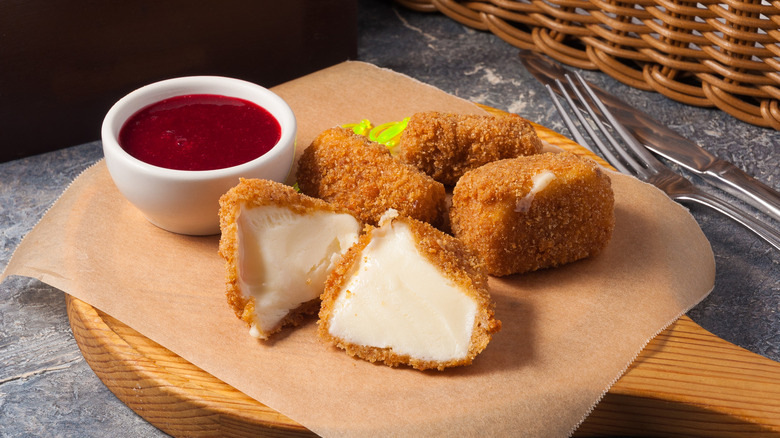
<point>199,84</point>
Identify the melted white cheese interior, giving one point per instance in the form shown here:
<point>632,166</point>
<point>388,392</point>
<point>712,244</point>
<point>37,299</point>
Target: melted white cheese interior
<point>540,181</point>
<point>396,298</point>
<point>285,257</point>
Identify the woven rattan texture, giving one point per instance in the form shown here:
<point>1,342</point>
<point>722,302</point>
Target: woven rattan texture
<point>723,54</point>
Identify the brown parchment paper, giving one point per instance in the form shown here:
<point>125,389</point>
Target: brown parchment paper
<point>567,334</point>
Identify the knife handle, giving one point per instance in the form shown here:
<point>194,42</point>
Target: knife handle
<point>732,179</point>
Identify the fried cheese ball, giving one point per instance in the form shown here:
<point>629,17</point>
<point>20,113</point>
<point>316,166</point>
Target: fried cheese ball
<point>408,293</point>
<point>279,246</point>
<point>534,212</point>
<point>361,176</point>
<point>445,146</point>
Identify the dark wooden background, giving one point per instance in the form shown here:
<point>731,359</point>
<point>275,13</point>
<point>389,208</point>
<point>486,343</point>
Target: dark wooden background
<point>63,63</point>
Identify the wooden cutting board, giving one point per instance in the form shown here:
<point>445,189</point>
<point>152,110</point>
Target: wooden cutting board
<point>686,382</point>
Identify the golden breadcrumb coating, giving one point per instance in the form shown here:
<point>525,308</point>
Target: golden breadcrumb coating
<point>361,176</point>
<point>495,214</point>
<point>445,146</point>
<point>452,259</point>
<point>254,193</point>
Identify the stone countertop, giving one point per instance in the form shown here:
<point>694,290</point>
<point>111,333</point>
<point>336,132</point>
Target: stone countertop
<point>46,387</point>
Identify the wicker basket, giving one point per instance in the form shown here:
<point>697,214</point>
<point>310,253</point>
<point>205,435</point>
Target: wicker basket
<point>723,54</point>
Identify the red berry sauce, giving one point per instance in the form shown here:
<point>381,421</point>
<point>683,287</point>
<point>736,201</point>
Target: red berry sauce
<point>199,132</point>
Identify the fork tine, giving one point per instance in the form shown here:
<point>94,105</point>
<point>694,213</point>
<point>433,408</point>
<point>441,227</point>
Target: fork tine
<point>636,147</point>
<point>575,131</point>
<point>626,157</point>
<point>565,115</point>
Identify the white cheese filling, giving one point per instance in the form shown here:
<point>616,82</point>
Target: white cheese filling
<point>285,257</point>
<point>396,298</point>
<point>540,181</point>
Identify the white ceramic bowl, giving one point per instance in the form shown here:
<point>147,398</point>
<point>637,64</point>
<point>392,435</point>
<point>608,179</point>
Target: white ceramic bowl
<point>184,201</point>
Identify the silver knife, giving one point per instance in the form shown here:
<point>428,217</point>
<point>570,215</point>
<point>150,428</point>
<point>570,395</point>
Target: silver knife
<point>668,144</point>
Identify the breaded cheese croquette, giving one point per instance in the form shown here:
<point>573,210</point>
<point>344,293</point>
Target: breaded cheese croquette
<point>279,247</point>
<point>361,176</point>
<point>445,146</point>
<point>534,212</point>
<point>408,293</point>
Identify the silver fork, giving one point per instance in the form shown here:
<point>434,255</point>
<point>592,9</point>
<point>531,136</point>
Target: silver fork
<point>635,159</point>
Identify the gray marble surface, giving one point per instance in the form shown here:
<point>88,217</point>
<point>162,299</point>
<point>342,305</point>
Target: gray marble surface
<point>46,387</point>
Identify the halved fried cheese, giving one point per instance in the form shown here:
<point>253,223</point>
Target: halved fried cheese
<point>408,293</point>
<point>279,247</point>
